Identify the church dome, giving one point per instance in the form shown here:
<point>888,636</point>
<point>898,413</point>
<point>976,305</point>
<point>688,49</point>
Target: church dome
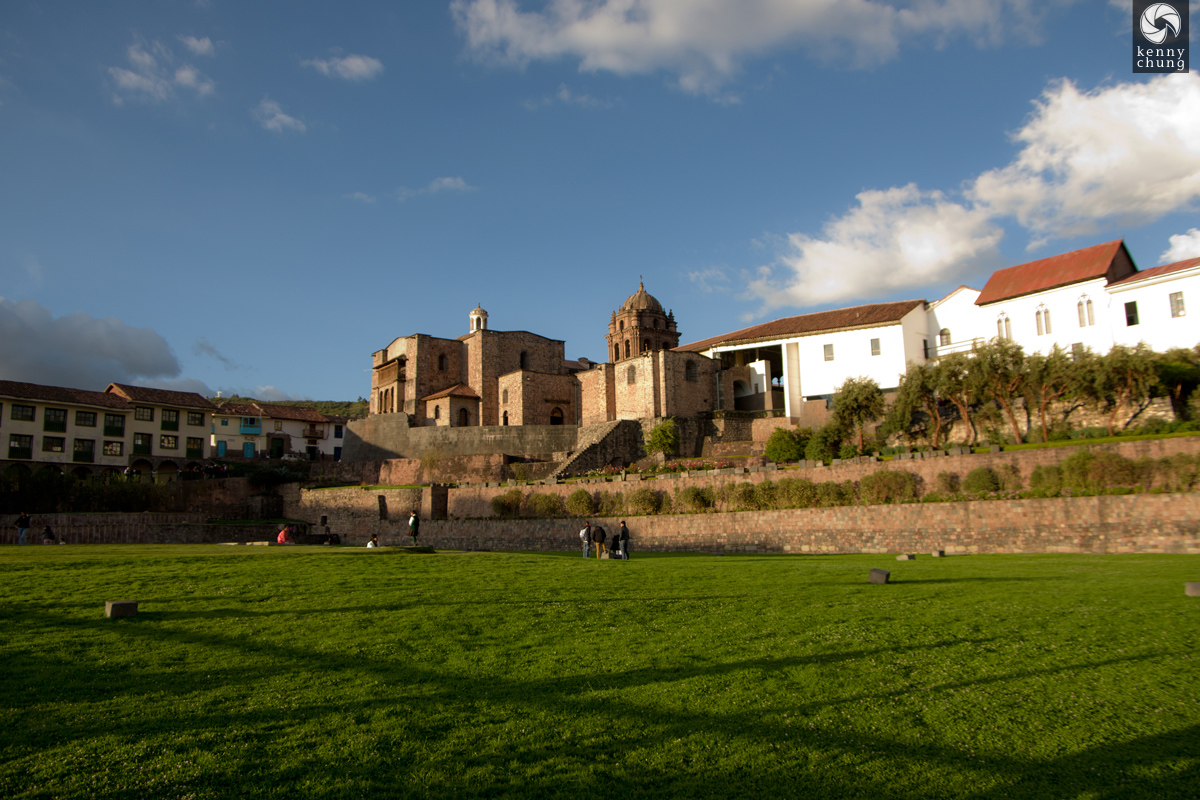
<point>641,300</point>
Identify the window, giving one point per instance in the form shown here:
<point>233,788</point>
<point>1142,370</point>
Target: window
<point>85,419</point>
<point>85,451</point>
<point>195,447</point>
<point>504,396</point>
<point>53,444</point>
<point>23,413</point>
<point>829,352</point>
<point>224,421</point>
<point>20,446</point>
<point>142,443</point>
<point>944,337</point>
<point>524,360</point>
<point>1177,309</point>
<point>168,442</point>
<point>337,432</point>
<point>1079,307</point>
<point>1091,313</point>
<point>442,363</point>
<point>1038,316</point>
<point>645,347</point>
<point>689,372</point>
<point>627,349</point>
<point>874,347</point>
<point>54,419</point>
<point>925,348</point>
<point>278,425</point>
<point>631,376</point>
<point>1003,327</point>
<point>114,448</point>
<point>621,325</point>
<point>1131,317</point>
<point>437,412</point>
<point>616,352</point>
<point>195,418</point>
<point>170,419</point>
<point>143,414</point>
<point>114,424</point>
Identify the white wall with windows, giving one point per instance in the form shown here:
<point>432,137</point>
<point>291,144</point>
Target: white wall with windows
<point>1041,320</point>
<point>1165,310</point>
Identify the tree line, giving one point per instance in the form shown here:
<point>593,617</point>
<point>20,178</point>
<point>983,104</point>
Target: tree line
<point>1015,395</point>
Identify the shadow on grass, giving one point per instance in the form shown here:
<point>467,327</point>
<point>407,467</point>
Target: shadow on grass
<point>628,759</point>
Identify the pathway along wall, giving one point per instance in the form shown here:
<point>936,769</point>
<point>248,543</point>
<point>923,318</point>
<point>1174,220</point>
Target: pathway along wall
<point>1139,523</point>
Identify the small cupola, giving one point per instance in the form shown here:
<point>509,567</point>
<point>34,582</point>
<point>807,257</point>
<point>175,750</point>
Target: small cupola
<point>478,319</point>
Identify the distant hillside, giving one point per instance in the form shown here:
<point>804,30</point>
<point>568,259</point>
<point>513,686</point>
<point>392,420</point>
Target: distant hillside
<point>354,409</point>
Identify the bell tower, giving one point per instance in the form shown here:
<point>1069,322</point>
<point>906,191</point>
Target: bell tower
<point>640,326</point>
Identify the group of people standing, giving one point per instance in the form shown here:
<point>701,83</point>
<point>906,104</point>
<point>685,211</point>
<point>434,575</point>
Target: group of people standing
<point>595,536</point>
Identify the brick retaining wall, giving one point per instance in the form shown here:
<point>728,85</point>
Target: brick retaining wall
<point>1141,523</point>
<point>147,528</point>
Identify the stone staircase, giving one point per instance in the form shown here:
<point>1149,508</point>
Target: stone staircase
<point>598,445</point>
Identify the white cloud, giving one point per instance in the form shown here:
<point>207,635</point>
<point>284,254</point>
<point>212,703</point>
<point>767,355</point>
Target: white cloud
<point>361,196</point>
<point>203,347</point>
<point>567,96</point>
<point>1183,246</point>
<point>270,115</point>
<point>892,240</point>
<point>711,279</point>
<point>1127,153</point>
<point>191,77</point>
<point>436,186</point>
<point>703,41</point>
<point>350,68</point>
<point>78,350</point>
<point>200,47</point>
<point>151,77</point>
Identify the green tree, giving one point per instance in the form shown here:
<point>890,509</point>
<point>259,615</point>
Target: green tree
<point>1049,378</point>
<point>999,369</point>
<point>954,383</point>
<point>1178,372</point>
<point>857,403</point>
<point>784,445</point>
<point>824,443</point>
<point>663,438</point>
<point>1126,378</point>
<point>918,391</point>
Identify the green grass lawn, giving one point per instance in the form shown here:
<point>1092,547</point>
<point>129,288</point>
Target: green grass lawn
<point>336,672</point>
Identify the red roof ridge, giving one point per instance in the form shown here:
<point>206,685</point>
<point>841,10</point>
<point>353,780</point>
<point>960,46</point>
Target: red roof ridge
<point>861,316</point>
<point>1086,263</point>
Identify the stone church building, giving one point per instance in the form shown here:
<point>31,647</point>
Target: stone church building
<point>515,378</point>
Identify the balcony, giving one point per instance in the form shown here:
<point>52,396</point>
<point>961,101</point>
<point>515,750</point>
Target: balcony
<point>314,433</point>
<point>250,428</point>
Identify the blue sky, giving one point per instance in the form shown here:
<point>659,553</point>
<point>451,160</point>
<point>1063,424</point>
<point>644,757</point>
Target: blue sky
<point>254,197</point>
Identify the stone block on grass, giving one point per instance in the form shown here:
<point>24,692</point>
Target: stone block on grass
<point>907,557</point>
<point>879,576</point>
<point>1192,589</point>
<point>938,554</point>
<point>114,609</point>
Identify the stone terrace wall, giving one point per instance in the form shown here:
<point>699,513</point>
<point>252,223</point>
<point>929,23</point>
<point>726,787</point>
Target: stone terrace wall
<point>1143,523</point>
<point>147,528</point>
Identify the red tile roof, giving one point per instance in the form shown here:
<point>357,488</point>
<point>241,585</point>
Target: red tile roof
<point>1165,269</point>
<point>237,409</point>
<point>61,394</point>
<point>458,390</point>
<point>1109,260</point>
<point>807,324</point>
<point>292,412</point>
<point>161,397</point>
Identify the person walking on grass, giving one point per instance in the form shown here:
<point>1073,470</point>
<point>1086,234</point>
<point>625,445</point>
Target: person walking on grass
<point>623,538</point>
<point>414,526</point>
<point>23,523</point>
<point>585,536</point>
<point>598,537</point>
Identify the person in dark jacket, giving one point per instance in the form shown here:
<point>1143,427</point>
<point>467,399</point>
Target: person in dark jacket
<point>623,538</point>
<point>598,537</point>
<point>414,526</point>
<point>23,523</point>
